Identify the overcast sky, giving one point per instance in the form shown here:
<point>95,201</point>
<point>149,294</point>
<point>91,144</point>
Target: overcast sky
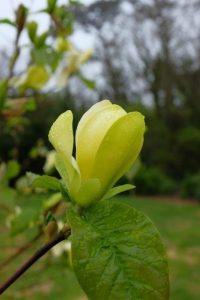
<point>7,8</point>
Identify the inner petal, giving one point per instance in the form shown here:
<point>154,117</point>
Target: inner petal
<point>91,137</point>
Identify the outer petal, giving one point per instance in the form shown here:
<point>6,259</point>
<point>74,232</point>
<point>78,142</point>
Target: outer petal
<point>119,149</point>
<point>61,137</point>
<point>91,134</point>
<point>88,193</point>
<point>61,134</point>
<point>69,172</point>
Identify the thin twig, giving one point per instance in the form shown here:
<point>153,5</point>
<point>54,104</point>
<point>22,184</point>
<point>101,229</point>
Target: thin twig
<point>15,56</point>
<point>61,236</point>
<point>29,244</point>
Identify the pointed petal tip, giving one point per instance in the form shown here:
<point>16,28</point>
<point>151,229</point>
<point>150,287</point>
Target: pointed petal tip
<point>67,115</point>
<point>61,133</point>
<point>138,118</point>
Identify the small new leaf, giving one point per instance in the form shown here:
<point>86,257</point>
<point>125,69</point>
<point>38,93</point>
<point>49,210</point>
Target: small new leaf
<point>118,189</point>
<point>88,82</point>
<point>51,5</point>
<point>64,192</point>
<point>32,30</point>
<point>47,182</point>
<point>7,22</point>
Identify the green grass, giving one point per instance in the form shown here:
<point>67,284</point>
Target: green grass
<point>179,225</point>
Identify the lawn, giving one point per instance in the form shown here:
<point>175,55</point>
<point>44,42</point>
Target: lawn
<point>179,224</point>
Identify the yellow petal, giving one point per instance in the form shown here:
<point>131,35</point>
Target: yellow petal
<point>69,172</point>
<point>91,133</point>
<point>88,192</point>
<point>83,121</point>
<point>61,134</point>
<point>119,149</point>
<point>61,137</point>
<point>75,179</point>
<point>37,76</point>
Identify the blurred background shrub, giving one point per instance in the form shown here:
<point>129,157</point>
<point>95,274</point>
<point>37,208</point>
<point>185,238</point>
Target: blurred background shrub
<point>152,181</point>
<point>190,187</point>
<point>58,72</point>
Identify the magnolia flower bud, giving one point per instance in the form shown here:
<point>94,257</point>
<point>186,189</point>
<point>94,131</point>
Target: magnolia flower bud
<point>108,141</point>
<point>50,230</point>
<point>21,16</point>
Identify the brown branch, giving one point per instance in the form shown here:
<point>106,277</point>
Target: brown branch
<point>15,55</point>
<point>29,244</point>
<point>61,236</point>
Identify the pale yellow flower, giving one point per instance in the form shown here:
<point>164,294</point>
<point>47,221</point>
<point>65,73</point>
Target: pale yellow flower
<point>108,141</point>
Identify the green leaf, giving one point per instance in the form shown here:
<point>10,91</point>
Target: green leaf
<point>91,84</point>
<point>7,22</point>
<point>41,39</point>
<point>117,253</point>
<point>13,169</point>
<point>52,200</point>
<point>64,192</point>
<point>3,93</point>
<point>32,30</point>
<point>47,182</point>
<point>117,190</point>
<point>66,20</point>
<point>30,105</point>
<point>51,5</point>
<point>9,171</point>
<point>46,55</point>
<point>49,218</point>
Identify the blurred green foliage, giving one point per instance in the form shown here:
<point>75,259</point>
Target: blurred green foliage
<point>190,187</point>
<point>152,181</point>
<point>170,155</point>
